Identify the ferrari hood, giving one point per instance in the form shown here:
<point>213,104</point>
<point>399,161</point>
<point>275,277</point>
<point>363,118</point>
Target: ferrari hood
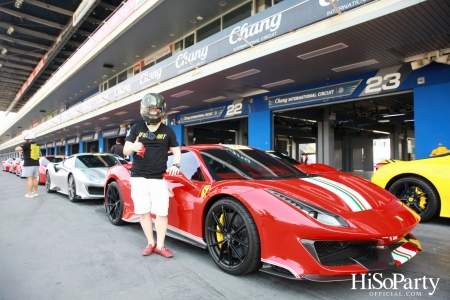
<point>337,192</point>
<point>100,173</point>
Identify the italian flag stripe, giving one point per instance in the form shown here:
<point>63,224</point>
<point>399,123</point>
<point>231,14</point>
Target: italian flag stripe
<point>402,254</point>
<point>344,194</point>
<point>354,193</point>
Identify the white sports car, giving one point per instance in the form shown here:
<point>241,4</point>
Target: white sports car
<point>81,176</point>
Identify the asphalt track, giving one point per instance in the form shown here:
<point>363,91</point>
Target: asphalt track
<point>51,248</point>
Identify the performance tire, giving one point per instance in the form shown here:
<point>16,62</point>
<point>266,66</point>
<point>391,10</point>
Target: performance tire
<point>114,204</point>
<point>412,190</point>
<point>48,183</point>
<point>232,237</point>
<point>72,189</point>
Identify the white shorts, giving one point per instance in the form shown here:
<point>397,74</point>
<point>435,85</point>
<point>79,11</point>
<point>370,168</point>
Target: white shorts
<point>32,171</point>
<point>150,195</point>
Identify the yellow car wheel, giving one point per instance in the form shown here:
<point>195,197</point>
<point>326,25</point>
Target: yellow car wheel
<point>418,194</point>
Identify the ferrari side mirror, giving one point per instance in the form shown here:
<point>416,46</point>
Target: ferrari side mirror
<point>179,178</point>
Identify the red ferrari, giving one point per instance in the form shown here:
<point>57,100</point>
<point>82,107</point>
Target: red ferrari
<point>315,168</point>
<point>19,169</point>
<point>254,212</point>
<point>44,161</point>
<point>14,164</point>
<point>7,164</point>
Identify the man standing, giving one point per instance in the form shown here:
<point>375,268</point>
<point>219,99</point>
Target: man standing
<point>149,141</point>
<point>117,148</point>
<point>31,153</point>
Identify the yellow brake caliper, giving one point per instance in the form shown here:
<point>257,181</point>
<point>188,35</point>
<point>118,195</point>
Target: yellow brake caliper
<point>423,198</point>
<point>219,235</point>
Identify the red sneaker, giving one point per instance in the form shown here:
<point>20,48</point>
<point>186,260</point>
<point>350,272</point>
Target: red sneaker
<point>164,251</point>
<point>148,250</point>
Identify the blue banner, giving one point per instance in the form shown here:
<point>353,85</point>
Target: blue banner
<point>322,93</point>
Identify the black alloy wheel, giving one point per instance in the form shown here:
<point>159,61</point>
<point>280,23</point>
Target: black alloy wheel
<point>114,204</point>
<point>417,194</point>
<point>71,189</point>
<point>48,183</point>
<point>232,237</point>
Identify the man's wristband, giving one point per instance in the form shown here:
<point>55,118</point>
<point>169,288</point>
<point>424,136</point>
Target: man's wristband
<point>176,165</point>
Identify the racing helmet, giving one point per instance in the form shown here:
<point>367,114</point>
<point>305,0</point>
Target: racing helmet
<point>28,135</point>
<point>149,104</point>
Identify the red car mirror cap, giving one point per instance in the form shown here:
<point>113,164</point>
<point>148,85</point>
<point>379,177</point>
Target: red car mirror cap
<point>179,178</point>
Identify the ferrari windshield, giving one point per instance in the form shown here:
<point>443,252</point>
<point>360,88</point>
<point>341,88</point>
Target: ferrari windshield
<point>246,163</point>
<point>55,159</point>
<point>96,161</point>
<point>284,157</point>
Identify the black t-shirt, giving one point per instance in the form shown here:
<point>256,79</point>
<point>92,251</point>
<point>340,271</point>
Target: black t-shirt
<point>117,149</point>
<point>154,163</point>
<point>31,154</point>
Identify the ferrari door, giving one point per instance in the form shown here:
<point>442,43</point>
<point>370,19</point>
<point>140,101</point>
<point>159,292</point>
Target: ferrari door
<point>185,198</point>
<point>61,174</point>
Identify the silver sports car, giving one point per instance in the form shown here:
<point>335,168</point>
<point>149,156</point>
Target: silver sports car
<point>80,176</point>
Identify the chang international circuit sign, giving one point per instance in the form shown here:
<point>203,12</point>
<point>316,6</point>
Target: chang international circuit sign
<point>213,113</point>
<point>264,26</point>
<point>322,93</point>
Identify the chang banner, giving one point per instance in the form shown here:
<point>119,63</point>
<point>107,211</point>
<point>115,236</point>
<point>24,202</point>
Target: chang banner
<point>213,113</point>
<point>322,93</point>
<point>110,133</point>
<point>273,22</point>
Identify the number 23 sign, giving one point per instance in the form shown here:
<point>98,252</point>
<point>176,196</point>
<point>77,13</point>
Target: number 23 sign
<point>386,80</point>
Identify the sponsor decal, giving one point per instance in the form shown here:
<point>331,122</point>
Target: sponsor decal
<point>205,190</point>
<point>398,285</point>
<point>352,198</point>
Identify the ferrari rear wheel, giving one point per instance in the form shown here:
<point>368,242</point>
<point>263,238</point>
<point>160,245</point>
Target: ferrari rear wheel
<point>72,190</point>
<point>232,237</point>
<point>48,183</point>
<point>114,203</point>
<point>418,194</point>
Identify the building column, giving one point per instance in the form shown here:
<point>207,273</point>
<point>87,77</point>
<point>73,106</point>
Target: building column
<point>101,144</point>
<point>260,130</point>
<point>81,145</point>
<point>66,150</point>
<point>325,139</point>
<point>396,140</point>
<point>179,132</point>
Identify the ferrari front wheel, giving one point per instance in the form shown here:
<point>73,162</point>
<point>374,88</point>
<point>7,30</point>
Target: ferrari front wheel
<point>418,194</point>
<point>72,189</point>
<point>114,203</point>
<point>232,237</point>
<point>48,183</point>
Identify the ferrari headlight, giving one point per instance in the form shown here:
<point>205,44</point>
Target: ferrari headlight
<point>91,177</point>
<point>313,211</point>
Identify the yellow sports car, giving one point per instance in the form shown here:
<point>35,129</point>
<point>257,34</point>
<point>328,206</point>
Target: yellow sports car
<point>423,184</point>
